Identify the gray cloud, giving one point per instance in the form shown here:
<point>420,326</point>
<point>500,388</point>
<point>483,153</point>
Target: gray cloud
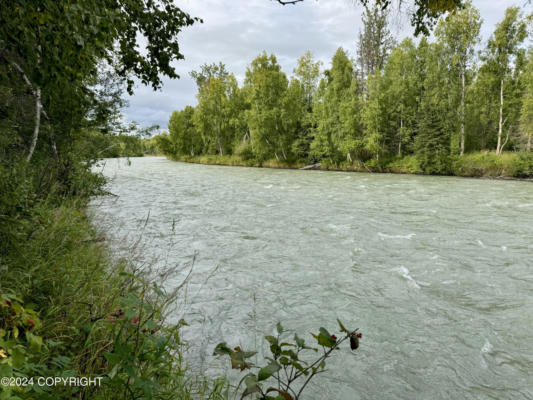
<point>235,32</point>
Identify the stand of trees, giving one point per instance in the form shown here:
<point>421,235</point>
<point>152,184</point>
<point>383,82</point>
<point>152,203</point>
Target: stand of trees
<point>428,103</point>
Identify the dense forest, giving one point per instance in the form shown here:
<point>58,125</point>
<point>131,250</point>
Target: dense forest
<point>407,107</point>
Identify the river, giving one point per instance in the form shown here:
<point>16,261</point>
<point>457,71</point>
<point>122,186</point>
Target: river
<point>437,272</point>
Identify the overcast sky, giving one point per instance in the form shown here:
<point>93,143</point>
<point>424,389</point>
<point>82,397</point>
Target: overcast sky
<point>236,31</point>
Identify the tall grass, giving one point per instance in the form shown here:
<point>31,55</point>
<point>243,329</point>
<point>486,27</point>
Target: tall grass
<point>68,308</point>
<point>480,164</point>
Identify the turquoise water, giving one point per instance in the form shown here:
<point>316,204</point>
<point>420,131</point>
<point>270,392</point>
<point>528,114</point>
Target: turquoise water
<point>437,272</point>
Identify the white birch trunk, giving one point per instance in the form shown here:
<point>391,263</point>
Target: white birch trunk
<point>38,108</point>
<point>463,112</point>
<point>500,124</point>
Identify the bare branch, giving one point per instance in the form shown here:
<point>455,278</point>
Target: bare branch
<point>285,2</point>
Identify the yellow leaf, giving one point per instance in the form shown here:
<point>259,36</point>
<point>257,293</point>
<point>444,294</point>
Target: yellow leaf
<point>15,332</point>
<point>3,354</point>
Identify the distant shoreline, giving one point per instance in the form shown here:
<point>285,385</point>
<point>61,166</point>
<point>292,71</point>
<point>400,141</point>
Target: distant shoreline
<point>463,167</point>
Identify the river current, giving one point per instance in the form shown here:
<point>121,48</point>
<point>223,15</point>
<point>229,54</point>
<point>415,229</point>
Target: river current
<point>437,272</point>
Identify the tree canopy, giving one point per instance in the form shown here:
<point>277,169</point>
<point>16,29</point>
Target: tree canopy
<point>424,104</point>
<point>423,17</point>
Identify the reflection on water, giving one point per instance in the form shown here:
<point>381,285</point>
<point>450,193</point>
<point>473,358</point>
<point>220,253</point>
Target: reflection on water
<point>436,271</point>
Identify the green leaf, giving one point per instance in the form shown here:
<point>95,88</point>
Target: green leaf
<point>113,359</point>
<point>299,341</point>
<point>324,338</point>
<point>252,385</point>
<point>268,371</point>
<point>35,341</point>
<point>18,357</point>
<point>221,349</point>
<point>271,340</point>
<point>341,326</point>
<point>299,367</point>
<point>283,395</point>
<point>279,328</point>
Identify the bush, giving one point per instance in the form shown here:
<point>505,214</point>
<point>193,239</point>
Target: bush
<point>519,165</point>
<point>244,150</point>
<point>524,165</point>
<point>405,165</point>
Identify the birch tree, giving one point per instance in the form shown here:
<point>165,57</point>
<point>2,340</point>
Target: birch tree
<point>459,35</point>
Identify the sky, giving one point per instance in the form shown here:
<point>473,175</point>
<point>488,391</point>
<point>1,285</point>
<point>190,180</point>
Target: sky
<point>236,31</point>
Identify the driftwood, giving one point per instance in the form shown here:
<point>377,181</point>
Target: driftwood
<point>312,166</point>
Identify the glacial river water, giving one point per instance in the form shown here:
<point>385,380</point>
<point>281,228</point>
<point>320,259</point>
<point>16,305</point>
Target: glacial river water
<point>437,272</point>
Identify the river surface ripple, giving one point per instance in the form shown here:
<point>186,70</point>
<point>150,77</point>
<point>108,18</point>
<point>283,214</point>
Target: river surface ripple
<point>437,272</point>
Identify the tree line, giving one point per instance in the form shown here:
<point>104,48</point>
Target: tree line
<point>426,102</point>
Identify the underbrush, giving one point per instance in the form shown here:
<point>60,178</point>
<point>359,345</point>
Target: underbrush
<point>236,160</point>
<point>480,164</point>
<point>67,309</point>
<point>485,164</point>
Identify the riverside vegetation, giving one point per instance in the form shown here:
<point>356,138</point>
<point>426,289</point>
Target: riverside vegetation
<point>67,307</point>
<point>434,107</point>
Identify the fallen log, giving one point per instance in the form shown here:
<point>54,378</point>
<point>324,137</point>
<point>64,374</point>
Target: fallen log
<point>312,166</point>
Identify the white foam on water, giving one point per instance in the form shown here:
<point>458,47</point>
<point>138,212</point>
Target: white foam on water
<point>385,236</point>
<point>487,347</point>
<point>504,248</point>
<point>405,273</point>
<point>481,243</point>
<point>525,205</point>
<point>268,186</point>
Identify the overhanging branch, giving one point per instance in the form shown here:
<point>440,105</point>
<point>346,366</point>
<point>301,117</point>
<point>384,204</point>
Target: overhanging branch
<point>285,2</point>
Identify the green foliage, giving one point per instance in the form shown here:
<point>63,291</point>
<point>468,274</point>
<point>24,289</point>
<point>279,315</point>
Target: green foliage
<point>492,165</point>
<point>337,133</point>
<point>432,142</point>
<point>427,103</point>
<point>268,87</point>
<point>291,364</point>
<point>67,309</point>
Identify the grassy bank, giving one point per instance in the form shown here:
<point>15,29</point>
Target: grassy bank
<point>479,165</point>
<point>69,309</point>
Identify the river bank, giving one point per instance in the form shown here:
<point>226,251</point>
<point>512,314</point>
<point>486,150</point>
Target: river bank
<point>510,165</point>
<point>70,307</point>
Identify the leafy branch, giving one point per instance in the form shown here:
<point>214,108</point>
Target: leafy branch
<point>286,367</point>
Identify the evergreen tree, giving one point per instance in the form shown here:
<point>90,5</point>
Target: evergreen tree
<point>432,145</point>
<point>375,41</point>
